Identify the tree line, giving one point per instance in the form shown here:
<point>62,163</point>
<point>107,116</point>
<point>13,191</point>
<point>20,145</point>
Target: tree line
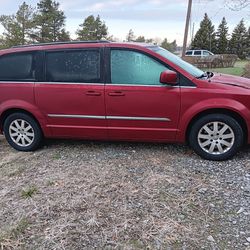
<point>46,23</point>
<point>220,41</point>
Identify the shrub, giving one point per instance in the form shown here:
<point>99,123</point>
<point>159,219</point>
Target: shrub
<point>247,71</point>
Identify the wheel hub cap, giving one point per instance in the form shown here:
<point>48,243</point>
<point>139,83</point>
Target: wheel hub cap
<point>21,133</point>
<point>216,138</point>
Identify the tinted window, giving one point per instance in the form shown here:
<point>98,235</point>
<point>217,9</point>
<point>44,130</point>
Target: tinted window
<point>130,67</point>
<point>189,53</point>
<point>73,66</point>
<point>197,53</point>
<point>17,67</point>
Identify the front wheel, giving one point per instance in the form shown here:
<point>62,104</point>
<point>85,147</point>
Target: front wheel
<point>216,137</point>
<point>22,132</point>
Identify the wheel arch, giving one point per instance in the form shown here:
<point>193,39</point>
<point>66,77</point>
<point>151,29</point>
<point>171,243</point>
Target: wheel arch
<point>10,111</point>
<point>228,112</point>
<point>35,115</point>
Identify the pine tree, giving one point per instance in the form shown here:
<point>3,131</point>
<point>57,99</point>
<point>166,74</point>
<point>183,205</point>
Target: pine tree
<point>50,22</point>
<point>222,38</point>
<point>247,42</point>
<point>238,43</point>
<point>205,36</point>
<point>18,27</point>
<point>2,45</point>
<point>12,32</point>
<point>140,39</point>
<point>130,36</point>
<point>92,29</point>
<point>25,18</point>
<point>169,46</point>
<point>150,40</point>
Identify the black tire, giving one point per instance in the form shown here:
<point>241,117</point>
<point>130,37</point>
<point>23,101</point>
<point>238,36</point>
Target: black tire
<point>10,128</point>
<point>234,130</point>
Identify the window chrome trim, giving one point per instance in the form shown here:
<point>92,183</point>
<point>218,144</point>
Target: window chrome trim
<point>145,85</point>
<point>71,83</point>
<point>76,116</point>
<point>135,118</point>
<point>98,84</point>
<point>18,82</point>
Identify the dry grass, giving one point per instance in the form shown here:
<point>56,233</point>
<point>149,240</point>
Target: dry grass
<point>76,195</point>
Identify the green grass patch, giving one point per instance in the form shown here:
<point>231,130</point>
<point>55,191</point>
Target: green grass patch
<point>230,71</point>
<point>237,70</point>
<point>29,192</point>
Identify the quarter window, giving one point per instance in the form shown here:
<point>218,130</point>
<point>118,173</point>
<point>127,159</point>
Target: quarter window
<point>16,67</point>
<point>73,66</point>
<point>130,67</point>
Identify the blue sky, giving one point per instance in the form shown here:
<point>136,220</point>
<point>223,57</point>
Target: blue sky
<point>151,18</point>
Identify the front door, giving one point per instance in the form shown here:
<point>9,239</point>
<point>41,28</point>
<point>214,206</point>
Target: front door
<point>138,106</point>
<point>72,95</point>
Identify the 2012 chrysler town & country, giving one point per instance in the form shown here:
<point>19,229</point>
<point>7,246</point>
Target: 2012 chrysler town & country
<point>119,91</point>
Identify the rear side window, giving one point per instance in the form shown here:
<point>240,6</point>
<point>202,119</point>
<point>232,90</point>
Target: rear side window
<point>197,53</point>
<point>16,67</point>
<point>73,66</point>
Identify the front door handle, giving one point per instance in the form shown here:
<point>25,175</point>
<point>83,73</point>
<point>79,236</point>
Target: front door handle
<point>116,93</point>
<point>93,93</point>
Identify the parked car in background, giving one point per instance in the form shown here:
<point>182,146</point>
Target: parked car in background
<point>206,59</point>
<point>198,53</point>
<point>119,91</point>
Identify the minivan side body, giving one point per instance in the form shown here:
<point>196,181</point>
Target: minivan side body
<point>112,91</point>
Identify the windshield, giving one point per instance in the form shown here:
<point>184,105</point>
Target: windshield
<point>178,61</point>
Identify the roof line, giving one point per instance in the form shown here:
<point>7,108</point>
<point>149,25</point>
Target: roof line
<point>58,43</point>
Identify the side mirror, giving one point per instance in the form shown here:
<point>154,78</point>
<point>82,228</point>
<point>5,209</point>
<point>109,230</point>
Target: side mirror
<point>169,77</point>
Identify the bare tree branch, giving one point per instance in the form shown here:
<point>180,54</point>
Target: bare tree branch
<point>237,5</point>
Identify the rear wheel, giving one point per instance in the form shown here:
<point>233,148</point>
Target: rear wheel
<point>216,137</point>
<point>22,132</point>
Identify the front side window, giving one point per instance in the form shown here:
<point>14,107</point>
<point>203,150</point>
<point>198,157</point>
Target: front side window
<point>131,67</point>
<point>206,53</point>
<point>177,61</point>
<point>16,67</point>
<point>73,66</point>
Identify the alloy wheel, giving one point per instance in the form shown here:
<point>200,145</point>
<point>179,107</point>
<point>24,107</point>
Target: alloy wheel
<point>21,133</point>
<point>216,138</point>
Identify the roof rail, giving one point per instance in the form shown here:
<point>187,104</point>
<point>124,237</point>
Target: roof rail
<point>58,43</point>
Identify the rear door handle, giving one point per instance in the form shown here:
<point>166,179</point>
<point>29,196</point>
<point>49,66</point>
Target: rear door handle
<point>116,93</point>
<point>93,93</point>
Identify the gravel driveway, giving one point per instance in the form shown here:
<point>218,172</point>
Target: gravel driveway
<point>84,195</point>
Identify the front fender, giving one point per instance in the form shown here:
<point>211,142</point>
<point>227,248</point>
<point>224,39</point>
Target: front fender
<point>217,103</point>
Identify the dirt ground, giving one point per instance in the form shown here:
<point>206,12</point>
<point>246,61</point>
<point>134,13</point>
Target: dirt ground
<point>109,195</point>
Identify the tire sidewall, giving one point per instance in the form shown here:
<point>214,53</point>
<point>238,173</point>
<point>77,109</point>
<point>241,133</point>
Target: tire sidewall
<point>231,122</point>
<point>37,131</point>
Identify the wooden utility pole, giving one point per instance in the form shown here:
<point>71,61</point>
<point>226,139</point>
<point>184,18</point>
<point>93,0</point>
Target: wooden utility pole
<point>186,28</point>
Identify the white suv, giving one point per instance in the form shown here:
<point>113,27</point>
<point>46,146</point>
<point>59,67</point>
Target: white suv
<point>198,53</point>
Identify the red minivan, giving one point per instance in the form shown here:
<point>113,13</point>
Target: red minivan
<point>119,91</point>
